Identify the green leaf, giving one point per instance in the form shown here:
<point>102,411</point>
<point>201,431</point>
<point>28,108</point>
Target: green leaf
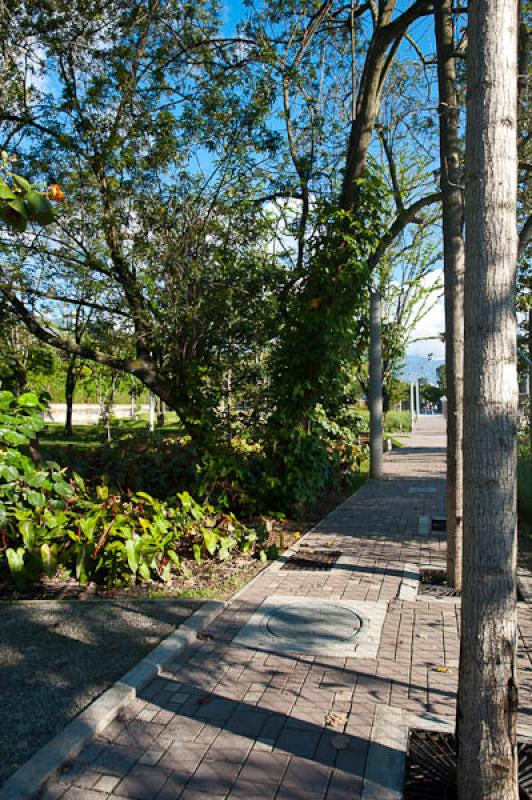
<point>210,540</point>
<point>227,543</point>
<point>78,480</point>
<point>28,400</point>
<point>63,489</point>
<point>13,437</point>
<point>49,559</point>
<point>6,398</point>
<point>102,492</point>
<point>82,560</point>
<point>6,193</point>
<point>21,182</point>
<point>88,526</point>
<point>15,561</point>
<point>39,208</point>
<point>9,473</point>
<point>197,554</point>
<point>36,480</point>
<point>132,548</point>
<point>56,519</point>
<point>27,532</point>
<point>36,499</point>
<point>144,571</point>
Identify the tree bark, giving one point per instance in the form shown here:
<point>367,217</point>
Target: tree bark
<point>375,388</point>
<point>453,267</point>
<point>70,385</point>
<point>382,48</point>
<point>487,695</point>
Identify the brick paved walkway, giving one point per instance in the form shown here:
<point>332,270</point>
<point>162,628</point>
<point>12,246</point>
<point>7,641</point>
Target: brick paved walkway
<point>228,722</point>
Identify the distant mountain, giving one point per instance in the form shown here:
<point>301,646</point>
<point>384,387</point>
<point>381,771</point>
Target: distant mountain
<point>420,367</point>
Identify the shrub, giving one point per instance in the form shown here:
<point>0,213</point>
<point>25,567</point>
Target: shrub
<point>49,520</point>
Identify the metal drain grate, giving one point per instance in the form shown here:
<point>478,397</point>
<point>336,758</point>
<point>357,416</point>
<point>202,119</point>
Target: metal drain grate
<point>313,560</point>
<point>434,582</point>
<point>431,767</point>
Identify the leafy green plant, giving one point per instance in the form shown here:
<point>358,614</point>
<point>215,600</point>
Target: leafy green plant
<point>21,201</point>
<point>49,520</point>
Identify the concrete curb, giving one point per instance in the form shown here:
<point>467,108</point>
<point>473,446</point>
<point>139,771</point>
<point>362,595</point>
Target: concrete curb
<point>30,778</point>
<point>384,775</point>
<point>385,772</point>
<point>409,586</point>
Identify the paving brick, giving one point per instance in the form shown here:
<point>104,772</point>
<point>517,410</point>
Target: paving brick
<point>115,760</point>
<point>225,722</point>
<point>142,783</point>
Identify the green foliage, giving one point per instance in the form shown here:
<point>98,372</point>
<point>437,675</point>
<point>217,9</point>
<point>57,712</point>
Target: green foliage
<point>395,421</point>
<point>48,521</point>
<point>320,337</point>
<point>20,201</point>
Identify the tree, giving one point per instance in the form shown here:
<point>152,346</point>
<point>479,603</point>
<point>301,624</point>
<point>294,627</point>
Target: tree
<point>376,424</point>
<point>170,249</point>
<point>487,695</point>
<point>453,260</point>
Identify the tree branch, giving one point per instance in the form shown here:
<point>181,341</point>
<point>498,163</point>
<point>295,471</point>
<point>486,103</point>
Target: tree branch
<point>404,218</point>
<point>64,299</point>
<point>142,368</point>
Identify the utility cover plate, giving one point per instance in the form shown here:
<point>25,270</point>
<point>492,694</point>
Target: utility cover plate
<point>290,624</point>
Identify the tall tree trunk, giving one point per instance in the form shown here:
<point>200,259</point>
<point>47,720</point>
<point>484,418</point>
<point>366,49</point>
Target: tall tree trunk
<point>70,385</point>
<point>375,388</point>
<point>453,264</point>
<point>487,695</point>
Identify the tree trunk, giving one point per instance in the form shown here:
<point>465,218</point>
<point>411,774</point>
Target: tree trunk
<point>487,695</point>
<point>453,263</point>
<point>70,385</point>
<point>375,388</point>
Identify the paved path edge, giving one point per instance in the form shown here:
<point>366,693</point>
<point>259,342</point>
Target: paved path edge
<point>30,778</point>
<point>385,772</point>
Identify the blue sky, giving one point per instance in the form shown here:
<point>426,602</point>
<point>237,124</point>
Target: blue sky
<point>434,323</point>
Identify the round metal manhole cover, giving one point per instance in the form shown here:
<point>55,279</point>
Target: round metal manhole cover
<point>328,624</point>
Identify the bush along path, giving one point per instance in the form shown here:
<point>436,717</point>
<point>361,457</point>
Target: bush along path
<point>52,525</point>
<point>63,536</point>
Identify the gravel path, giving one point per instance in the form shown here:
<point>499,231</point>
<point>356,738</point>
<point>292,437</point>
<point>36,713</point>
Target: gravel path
<point>56,657</point>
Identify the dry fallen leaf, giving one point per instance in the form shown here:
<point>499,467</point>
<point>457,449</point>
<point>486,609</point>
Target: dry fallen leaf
<point>335,719</point>
<point>203,701</point>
